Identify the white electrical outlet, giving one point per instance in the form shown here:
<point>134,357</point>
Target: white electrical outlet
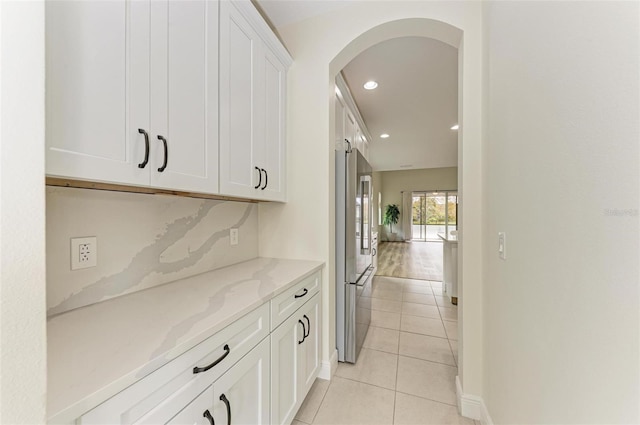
<point>502,245</point>
<point>84,252</point>
<point>233,236</point>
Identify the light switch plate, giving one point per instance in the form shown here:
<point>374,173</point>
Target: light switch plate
<point>502,245</point>
<point>84,252</point>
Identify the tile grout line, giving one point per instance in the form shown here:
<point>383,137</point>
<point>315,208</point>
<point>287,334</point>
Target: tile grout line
<point>431,361</point>
<point>442,323</point>
<point>321,402</point>
<point>365,383</point>
<point>395,387</point>
<point>454,356</point>
<point>426,398</point>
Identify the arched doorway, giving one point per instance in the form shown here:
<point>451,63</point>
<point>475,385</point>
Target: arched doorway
<point>421,27</point>
<point>321,46</point>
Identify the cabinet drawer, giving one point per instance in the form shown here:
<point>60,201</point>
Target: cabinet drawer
<point>159,396</point>
<point>289,301</point>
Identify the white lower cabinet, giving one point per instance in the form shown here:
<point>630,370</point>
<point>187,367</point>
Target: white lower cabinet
<point>284,366</point>
<point>198,411</point>
<point>244,374</point>
<point>240,396</point>
<point>295,355</point>
<point>164,392</point>
<point>310,347</point>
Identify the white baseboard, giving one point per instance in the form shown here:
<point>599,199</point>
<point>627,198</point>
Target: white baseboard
<point>328,368</point>
<point>472,406</point>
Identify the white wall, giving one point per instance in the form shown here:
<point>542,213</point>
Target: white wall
<point>396,182</point>
<point>143,241</point>
<point>23,346</point>
<point>304,227</point>
<point>562,180</point>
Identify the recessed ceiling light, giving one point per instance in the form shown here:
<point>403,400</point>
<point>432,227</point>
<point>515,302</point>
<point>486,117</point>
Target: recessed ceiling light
<point>370,85</point>
<point>384,136</point>
<point>455,127</point>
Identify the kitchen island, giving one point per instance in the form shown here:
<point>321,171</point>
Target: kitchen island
<point>450,266</point>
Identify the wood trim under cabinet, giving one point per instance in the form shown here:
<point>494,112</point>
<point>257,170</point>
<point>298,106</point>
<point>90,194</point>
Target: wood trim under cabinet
<point>80,184</point>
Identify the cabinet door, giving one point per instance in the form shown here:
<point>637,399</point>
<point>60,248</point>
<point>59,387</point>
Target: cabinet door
<point>310,348</point>
<point>184,95</point>
<point>241,395</point>
<point>350,130</point>
<point>239,64</point>
<point>365,148</point>
<point>196,412</point>
<point>272,155</point>
<point>285,358</point>
<point>97,90</point>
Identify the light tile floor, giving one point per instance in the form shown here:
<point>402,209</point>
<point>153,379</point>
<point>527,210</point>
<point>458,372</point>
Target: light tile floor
<point>407,368</point>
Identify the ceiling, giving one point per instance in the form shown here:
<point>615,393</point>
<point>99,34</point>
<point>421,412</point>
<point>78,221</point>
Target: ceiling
<point>416,102</point>
<point>285,12</point>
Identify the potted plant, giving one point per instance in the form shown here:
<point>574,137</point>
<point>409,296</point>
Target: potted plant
<point>391,215</point>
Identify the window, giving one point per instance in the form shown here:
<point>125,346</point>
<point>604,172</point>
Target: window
<point>433,213</point>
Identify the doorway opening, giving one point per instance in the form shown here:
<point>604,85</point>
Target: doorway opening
<point>433,213</point>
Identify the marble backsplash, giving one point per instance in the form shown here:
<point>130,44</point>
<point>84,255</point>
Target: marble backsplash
<point>142,241</point>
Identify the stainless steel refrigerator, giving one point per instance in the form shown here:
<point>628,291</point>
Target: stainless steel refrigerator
<point>353,252</point>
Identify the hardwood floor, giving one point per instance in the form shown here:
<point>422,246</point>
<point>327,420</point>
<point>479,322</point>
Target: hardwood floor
<point>413,260</point>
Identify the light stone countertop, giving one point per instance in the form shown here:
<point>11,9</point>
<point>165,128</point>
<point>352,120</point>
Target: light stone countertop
<point>96,351</point>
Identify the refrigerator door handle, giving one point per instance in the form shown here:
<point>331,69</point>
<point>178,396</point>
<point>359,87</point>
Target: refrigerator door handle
<point>365,215</point>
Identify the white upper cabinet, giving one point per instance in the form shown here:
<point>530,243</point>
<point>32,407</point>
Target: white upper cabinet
<point>184,95</point>
<point>272,158</point>
<point>239,55</point>
<point>348,117</point>
<point>252,105</point>
<point>350,131</point>
<point>132,92</point>
<point>139,91</point>
<point>97,90</point>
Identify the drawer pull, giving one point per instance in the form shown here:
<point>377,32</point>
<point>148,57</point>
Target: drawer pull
<point>207,415</point>
<point>308,326</point>
<point>206,368</point>
<point>304,332</point>
<point>303,294</point>
<point>226,402</point>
